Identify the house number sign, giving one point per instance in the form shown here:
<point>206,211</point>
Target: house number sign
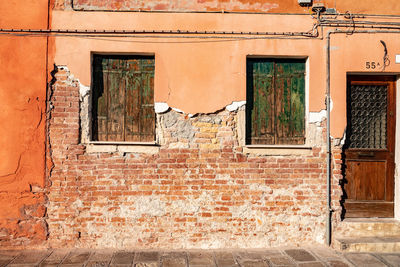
<point>372,65</point>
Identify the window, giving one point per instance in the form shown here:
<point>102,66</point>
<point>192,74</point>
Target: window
<point>275,109</point>
<point>123,98</point>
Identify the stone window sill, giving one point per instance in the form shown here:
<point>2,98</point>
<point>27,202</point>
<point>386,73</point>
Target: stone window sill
<point>123,147</point>
<point>277,150</point>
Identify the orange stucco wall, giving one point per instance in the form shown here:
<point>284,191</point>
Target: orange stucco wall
<point>22,135</point>
<point>205,75</point>
<point>269,6</point>
<point>194,75</point>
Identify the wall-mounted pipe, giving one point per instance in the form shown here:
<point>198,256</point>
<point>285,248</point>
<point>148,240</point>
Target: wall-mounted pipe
<point>328,141</point>
<point>311,33</point>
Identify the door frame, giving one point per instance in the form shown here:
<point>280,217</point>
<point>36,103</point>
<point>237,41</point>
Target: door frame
<point>391,130</point>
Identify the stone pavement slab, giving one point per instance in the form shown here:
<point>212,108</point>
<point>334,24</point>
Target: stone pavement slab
<point>392,259</point>
<point>100,258</point>
<point>280,260</point>
<point>29,258</point>
<point>174,258</point>
<point>7,256</point>
<point>307,257</point>
<point>224,259</point>
<point>55,258</point>
<point>364,259</point>
<point>76,257</point>
<point>123,258</point>
<point>300,255</point>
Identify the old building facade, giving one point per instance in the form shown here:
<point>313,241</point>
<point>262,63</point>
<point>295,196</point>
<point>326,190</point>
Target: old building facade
<point>204,124</point>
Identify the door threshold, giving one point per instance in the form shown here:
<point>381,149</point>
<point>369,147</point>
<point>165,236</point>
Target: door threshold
<point>370,220</point>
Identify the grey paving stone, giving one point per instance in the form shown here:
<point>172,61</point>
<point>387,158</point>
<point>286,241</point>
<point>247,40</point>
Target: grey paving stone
<point>253,263</point>
<point>337,263</point>
<point>4,262</point>
<point>122,258</point>
<point>173,262</point>
<point>76,257</point>
<point>392,259</point>
<point>201,259</point>
<point>255,255</point>
<point>300,255</point>
<point>147,264</point>
<point>280,260</point>
<point>100,258</point>
<point>223,259</point>
<point>9,253</point>
<point>325,253</point>
<point>7,256</point>
<point>97,263</point>
<point>147,256</point>
<point>174,258</point>
<point>311,264</point>
<point>101,255</point>
<point>363,259</point>
<point>174,254</point>
<point>30,257</point>
<point>55,258</point>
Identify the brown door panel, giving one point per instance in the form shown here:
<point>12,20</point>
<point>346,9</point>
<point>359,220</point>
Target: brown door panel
<point>365,183</point>
<point>369,148</point>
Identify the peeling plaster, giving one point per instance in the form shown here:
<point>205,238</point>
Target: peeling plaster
<point>181,111</point>
<point>315,117</point>
<point>161,107</point>
<point>235,105</point>
<point>83,90</point>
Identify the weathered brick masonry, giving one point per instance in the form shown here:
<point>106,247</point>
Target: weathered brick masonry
<point>200,190</point>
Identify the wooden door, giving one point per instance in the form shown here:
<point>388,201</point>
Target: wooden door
<point>369,149</point>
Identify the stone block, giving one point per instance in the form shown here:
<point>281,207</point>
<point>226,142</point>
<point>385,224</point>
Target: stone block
<point>201,259</point>
<point>364,259</point>
<point>300,255</point>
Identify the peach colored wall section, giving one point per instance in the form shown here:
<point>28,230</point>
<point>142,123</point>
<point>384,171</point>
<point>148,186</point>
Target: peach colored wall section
<point>22,139</point>
<point>349,55</point>
<point>270,6</point>
<point>204,75</point>
<point>194,75</point>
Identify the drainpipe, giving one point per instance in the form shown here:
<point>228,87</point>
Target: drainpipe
<point>328,142</point>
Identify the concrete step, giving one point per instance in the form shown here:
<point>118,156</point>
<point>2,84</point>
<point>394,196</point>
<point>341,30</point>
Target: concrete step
<point>370,244</point>
<point>368,228</point>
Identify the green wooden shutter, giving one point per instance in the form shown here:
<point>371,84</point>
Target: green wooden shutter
<point>140,100</point>
<point>275,107</point>
<point>290,109</point>
<point>123,105</point>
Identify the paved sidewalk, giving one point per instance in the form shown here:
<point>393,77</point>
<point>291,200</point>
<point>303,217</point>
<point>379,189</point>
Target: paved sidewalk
<point>312,257</point>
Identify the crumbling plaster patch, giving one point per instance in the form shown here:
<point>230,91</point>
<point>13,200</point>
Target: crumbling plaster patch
<point>184,128</point>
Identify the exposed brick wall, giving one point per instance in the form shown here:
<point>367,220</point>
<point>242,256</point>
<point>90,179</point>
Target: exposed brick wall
<point>199,191</point>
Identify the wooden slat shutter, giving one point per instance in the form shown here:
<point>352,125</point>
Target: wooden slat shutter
<point>290,109</point>
<point>140,100</point>
<point>123,105</point>
<point>260,101</point>
<point>275,107</point>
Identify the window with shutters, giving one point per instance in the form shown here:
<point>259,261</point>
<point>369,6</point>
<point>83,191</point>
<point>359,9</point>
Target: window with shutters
<point>123,98</point>
<point>275,106</point>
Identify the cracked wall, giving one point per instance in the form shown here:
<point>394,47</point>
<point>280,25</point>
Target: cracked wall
<point>23,117</point>
<point>200,189</point>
